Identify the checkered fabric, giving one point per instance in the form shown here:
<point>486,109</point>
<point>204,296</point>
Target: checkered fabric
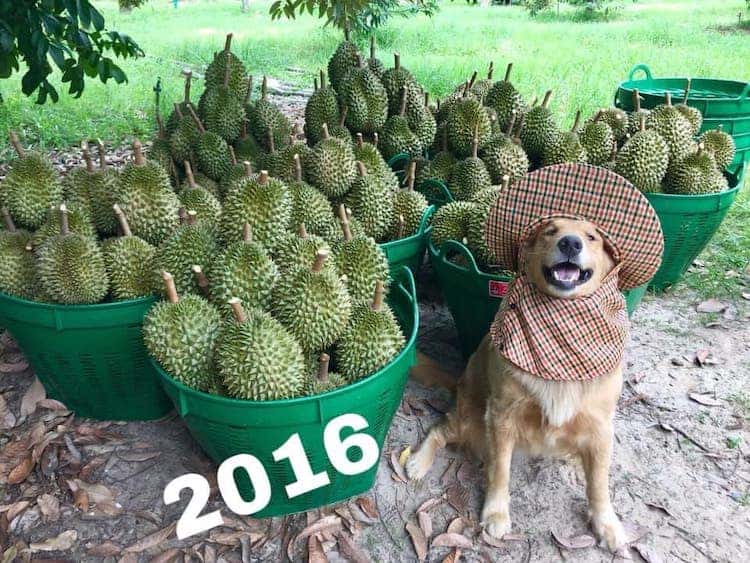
<point>562,339</point>
<point>623,215</point>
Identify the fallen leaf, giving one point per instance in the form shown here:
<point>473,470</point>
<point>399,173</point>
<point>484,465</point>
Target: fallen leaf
<point>458,497</point>
<point>165,556</point>
<point>648,553</point>
<point>7,418</point>
<point>404,456</point>
<point>62,542</point>
<point>21,471</point>
<point>453,557</point>
<point>367,506</point>
<point>329,523</point>
<point>701,356</point>
<point>90,467</point>
<point>452,540</point>
<point>16,367</point>
<point>711,306</point>
<point>466,473</point>
<point>514,537</point>
<point>106,549</point>
<point>152,540</point>
<point>15,509</point>
<point>33,395</point>
<point>315,553</point>
<point>574,542</point>
<point>359,515</point>
<point>398,468</point>
<point>51,404</point>
<point>425,523</point>
<point>456,526</point>
<point>429,504</point>
<point>98,494</point>
<point>491,540</point>
<point>351,551</point>
<point>49,460</point>
<point>128,558</point>
<point>418,540</point>
<point>138,456</point>
<point>705,399</point>
<point>49,506</point>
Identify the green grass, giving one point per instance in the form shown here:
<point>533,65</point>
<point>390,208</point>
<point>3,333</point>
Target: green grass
<point>582,62</point>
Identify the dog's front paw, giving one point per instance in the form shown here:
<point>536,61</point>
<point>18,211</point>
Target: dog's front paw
<point>418,464</point>
<point>610,530</point>
<point>496,524</point>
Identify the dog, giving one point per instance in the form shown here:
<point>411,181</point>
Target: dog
<point>500,407</point>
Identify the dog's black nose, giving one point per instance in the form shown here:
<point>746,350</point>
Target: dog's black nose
<point>570,245</point>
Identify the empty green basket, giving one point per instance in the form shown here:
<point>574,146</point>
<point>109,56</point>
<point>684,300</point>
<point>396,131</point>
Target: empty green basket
<point>224,427</point>
<point>90,357</point>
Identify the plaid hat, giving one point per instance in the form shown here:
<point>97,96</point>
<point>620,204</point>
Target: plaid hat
<point>622,214</point>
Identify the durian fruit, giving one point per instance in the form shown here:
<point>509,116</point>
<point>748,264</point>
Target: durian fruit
<point>181,334</point>
<point>395,80</point>
<point>397,137</point>
<point>469,175</point>
<point>102,186</point>
<point>409,207</point>
<point>419,116</point>
<point>361,260</point>
<point>185,135</point>
<point>695,174</point>
<point>482,87</point>
<point>76,183</point>
<point>477,222</point>
<point>191,243</point>
<point>17,264</point>
<point>374,63</point>
<point>322,107</point>
<point>310,207</point>
<point>597,138</point>
<point>467,116</point>
<point>505,100</point>
<point>146,197</point>
<point>234,177</point>
<point>369,155</point>
<point>246,147</point>
<point>488,196</point>
<point>331,168</point>
<point>265,116</point>
<point>441,165</point>
<point>262,201</point>
<point>79,222</point>
<point>224,111</point>
<point>299,250</point>
<point>370,201</point>
<point>180,109</point>
<point>720,145</point>
<point>339,130</point>
<point>669,122</point>
<point>504,156</point>
<point>217,70</point>
<point>566,147</point>
<point>539,129</point>
<point>211,151</point>
<point>244,270</point>
<point>451,222</point>
<point>343,60</point>
<point>284,165</point>
<point>617,120</point>
<point>372,340</point>
<point>323,381</point>
<point>364,96</point>
<point>643,159</point>
<point>257,359</point>
<point>313,304</point>
<point>129,261</point>
<point>634,119</point>
<point>204,203</point>
<point>201,280</point>
<point>160,150</point>
<point>71,267</point>
<point>31,186</point>
<point>693,115</point>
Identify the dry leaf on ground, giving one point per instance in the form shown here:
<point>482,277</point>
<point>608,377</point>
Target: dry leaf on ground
<point>367,506</point>
<point>13,510</point>
<point>351,550</point>
<point>21,471</point>
<point>315,553</point>
<point>648,553</point>
<point>456,526</point>
<point>62,542</point>
<point>705,399</point>
<point>574,542</point>
<point>418,540</point>
<point>429,504</point>
<point>106,549</point>
<point>152,540</point>
<point>398,469</point>
<point>452,540</point>
<point>49,506</point>
<point>7,418</point>
<point>31,397</point>
<point>453,557</point>
<point>329,523</point>
<point>425,523</point>
<point>492,540</point>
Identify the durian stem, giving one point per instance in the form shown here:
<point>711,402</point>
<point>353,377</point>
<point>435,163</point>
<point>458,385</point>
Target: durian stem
<point>372,46</point>
<point>534,101</point>
<point>599,115</point>
<point>232,155</point>
<point>377,300</point>
<point>201,280</point>
<point>401,227</point>
<point>344,220</point>
<point>302,231</point>
<point>182,215</point>
<point>700,148</point>
<point>668,98</point>
<point>507,71</point>
<point>346,33</point>
<point>490,70</point>
<point>102,155</point>
<point>228,43</point>
<point>687,91</point>
<point>642,123</point>
<point>576,121</point>
<point>196,119</point>
<point>324,134</point>
<point>323,363</point>
<point>87,159</point>
<point>402,109</point>
<point>249,90</point>
<point>264,88</point>
<point>140,160</point>
<point>320,259</point>
<point>636,100</point>
<point>271,143</point>
<point>375,138</point>
<point>64,226</point>
<point>188,81</point>
<point>547,96</point>
<point>396,60</point>
<point>360,62</point>
<point>192,217</point>
<point>342,117</point>
<point>426,99</point>
<point>247,232</point>
<point>361,170</point>
<point>315,84</point>
<point>247,165</point>
<point>122,220</point>
<point>506,181</point>
<point>263,177</point>
<point>360,140</point>
<point>17,144</point>
<point>412,176</point>
<point>189,174</point>
<point>239,313</point>
<point>467,85</point>
<point>473,79</point>
<point>322,79</point>
<point>227,71</point>
<point>297,168</point>
<point>519,126</point>
<point>177,110</point>
<point>8,220</point>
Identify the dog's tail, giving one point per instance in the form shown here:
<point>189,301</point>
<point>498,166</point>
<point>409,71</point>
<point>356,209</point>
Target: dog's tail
<point>430,373</point>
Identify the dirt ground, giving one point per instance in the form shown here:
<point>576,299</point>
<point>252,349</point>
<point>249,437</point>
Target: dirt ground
<point>680,477</point>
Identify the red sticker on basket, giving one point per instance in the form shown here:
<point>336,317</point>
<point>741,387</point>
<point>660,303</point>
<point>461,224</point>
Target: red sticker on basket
<point>498,288</point>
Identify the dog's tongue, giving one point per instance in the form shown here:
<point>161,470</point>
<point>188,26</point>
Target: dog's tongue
<point>566,272</point>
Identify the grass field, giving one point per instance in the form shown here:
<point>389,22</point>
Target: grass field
<point>582,63</point>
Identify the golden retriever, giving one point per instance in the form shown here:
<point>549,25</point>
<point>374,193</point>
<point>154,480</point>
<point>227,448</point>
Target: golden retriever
<point>500,407</point>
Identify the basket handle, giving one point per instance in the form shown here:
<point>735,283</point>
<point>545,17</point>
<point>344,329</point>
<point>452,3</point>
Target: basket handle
<point>440,186</point>
<point>398,161</point>
<point>405,278</point>
<point>426,216</point>
<point>636,68</point>
<point>449,245</point>
<point>745,92</point>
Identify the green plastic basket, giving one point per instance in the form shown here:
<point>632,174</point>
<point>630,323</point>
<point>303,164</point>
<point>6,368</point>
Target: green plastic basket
<point>409,251</point>
<point>90,357</point>
<point>224,427</point>
<point>436,192</point>
<point>398,162</point>
<point>473,296</point>
<point>688,223</point>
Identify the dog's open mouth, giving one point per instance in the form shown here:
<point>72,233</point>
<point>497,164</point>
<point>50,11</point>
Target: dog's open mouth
<point>566,275</point>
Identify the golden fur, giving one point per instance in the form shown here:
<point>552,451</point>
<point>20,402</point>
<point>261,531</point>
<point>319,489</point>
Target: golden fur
<point>500,407</point>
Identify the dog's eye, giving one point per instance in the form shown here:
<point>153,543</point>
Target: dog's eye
<point>590,236</point>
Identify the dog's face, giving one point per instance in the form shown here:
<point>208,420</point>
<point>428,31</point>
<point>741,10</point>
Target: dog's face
<point>567,258</point>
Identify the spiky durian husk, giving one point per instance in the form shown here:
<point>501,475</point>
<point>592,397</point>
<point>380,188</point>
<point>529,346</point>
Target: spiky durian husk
<point>182,337</point>
<point>245,271</point>
<point>451,222</point>
<point>259,360</point>
<point>71,270</point>
<point>213,156</point>
<point>487,196</point>
<point>322,107</point>
<point>720,145</point>
<point>371,202</point>
<point>643,160</point>
<point>397,138</point>
<point>419,117</point>
<point>313,306</point>
<point>295,252</point>
<point>469,176</point>
<point>539,131</point>
<point>366,101</point>
<point>441,166</point>
<point>315,386</point>
<point>504,157</point>
<point>283,165</point>
<point>598,140</point>
<point>265,116</point>
<point>617,120</point>
<point>312,209</point>
<point>97,191</point>
<point>247,148</point>
<point>393,80</point>
<point>372,340</point>
<point>674,129</point>
<point>505,100</point>
<point>695,174</point>
<point>331,167</point>
<point>693,115</point>
<point>30,189</point>
<point>79,221</point>
<point>463,119</point>
<point>17,265</point>
<point>566,147</point>
<point>189,245</point>
<point>634,120</point>
<point>369,155</point>
<point>237,73</point>
<point>267,207</point>
<point>204,204</point>
<point>363,263</point>
<point>476,231</point>
<point>146,197</point>
<point>184,139</point>
<point>411,205</point>
<point>224,113</point>
<point>341,63</point>
<point>160,151</point>
<point>130,265</point>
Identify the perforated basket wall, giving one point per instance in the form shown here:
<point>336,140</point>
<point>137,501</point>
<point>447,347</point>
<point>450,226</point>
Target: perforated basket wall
<point>224,427</point>
<point>90,357</point>
<point>409,251</point>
